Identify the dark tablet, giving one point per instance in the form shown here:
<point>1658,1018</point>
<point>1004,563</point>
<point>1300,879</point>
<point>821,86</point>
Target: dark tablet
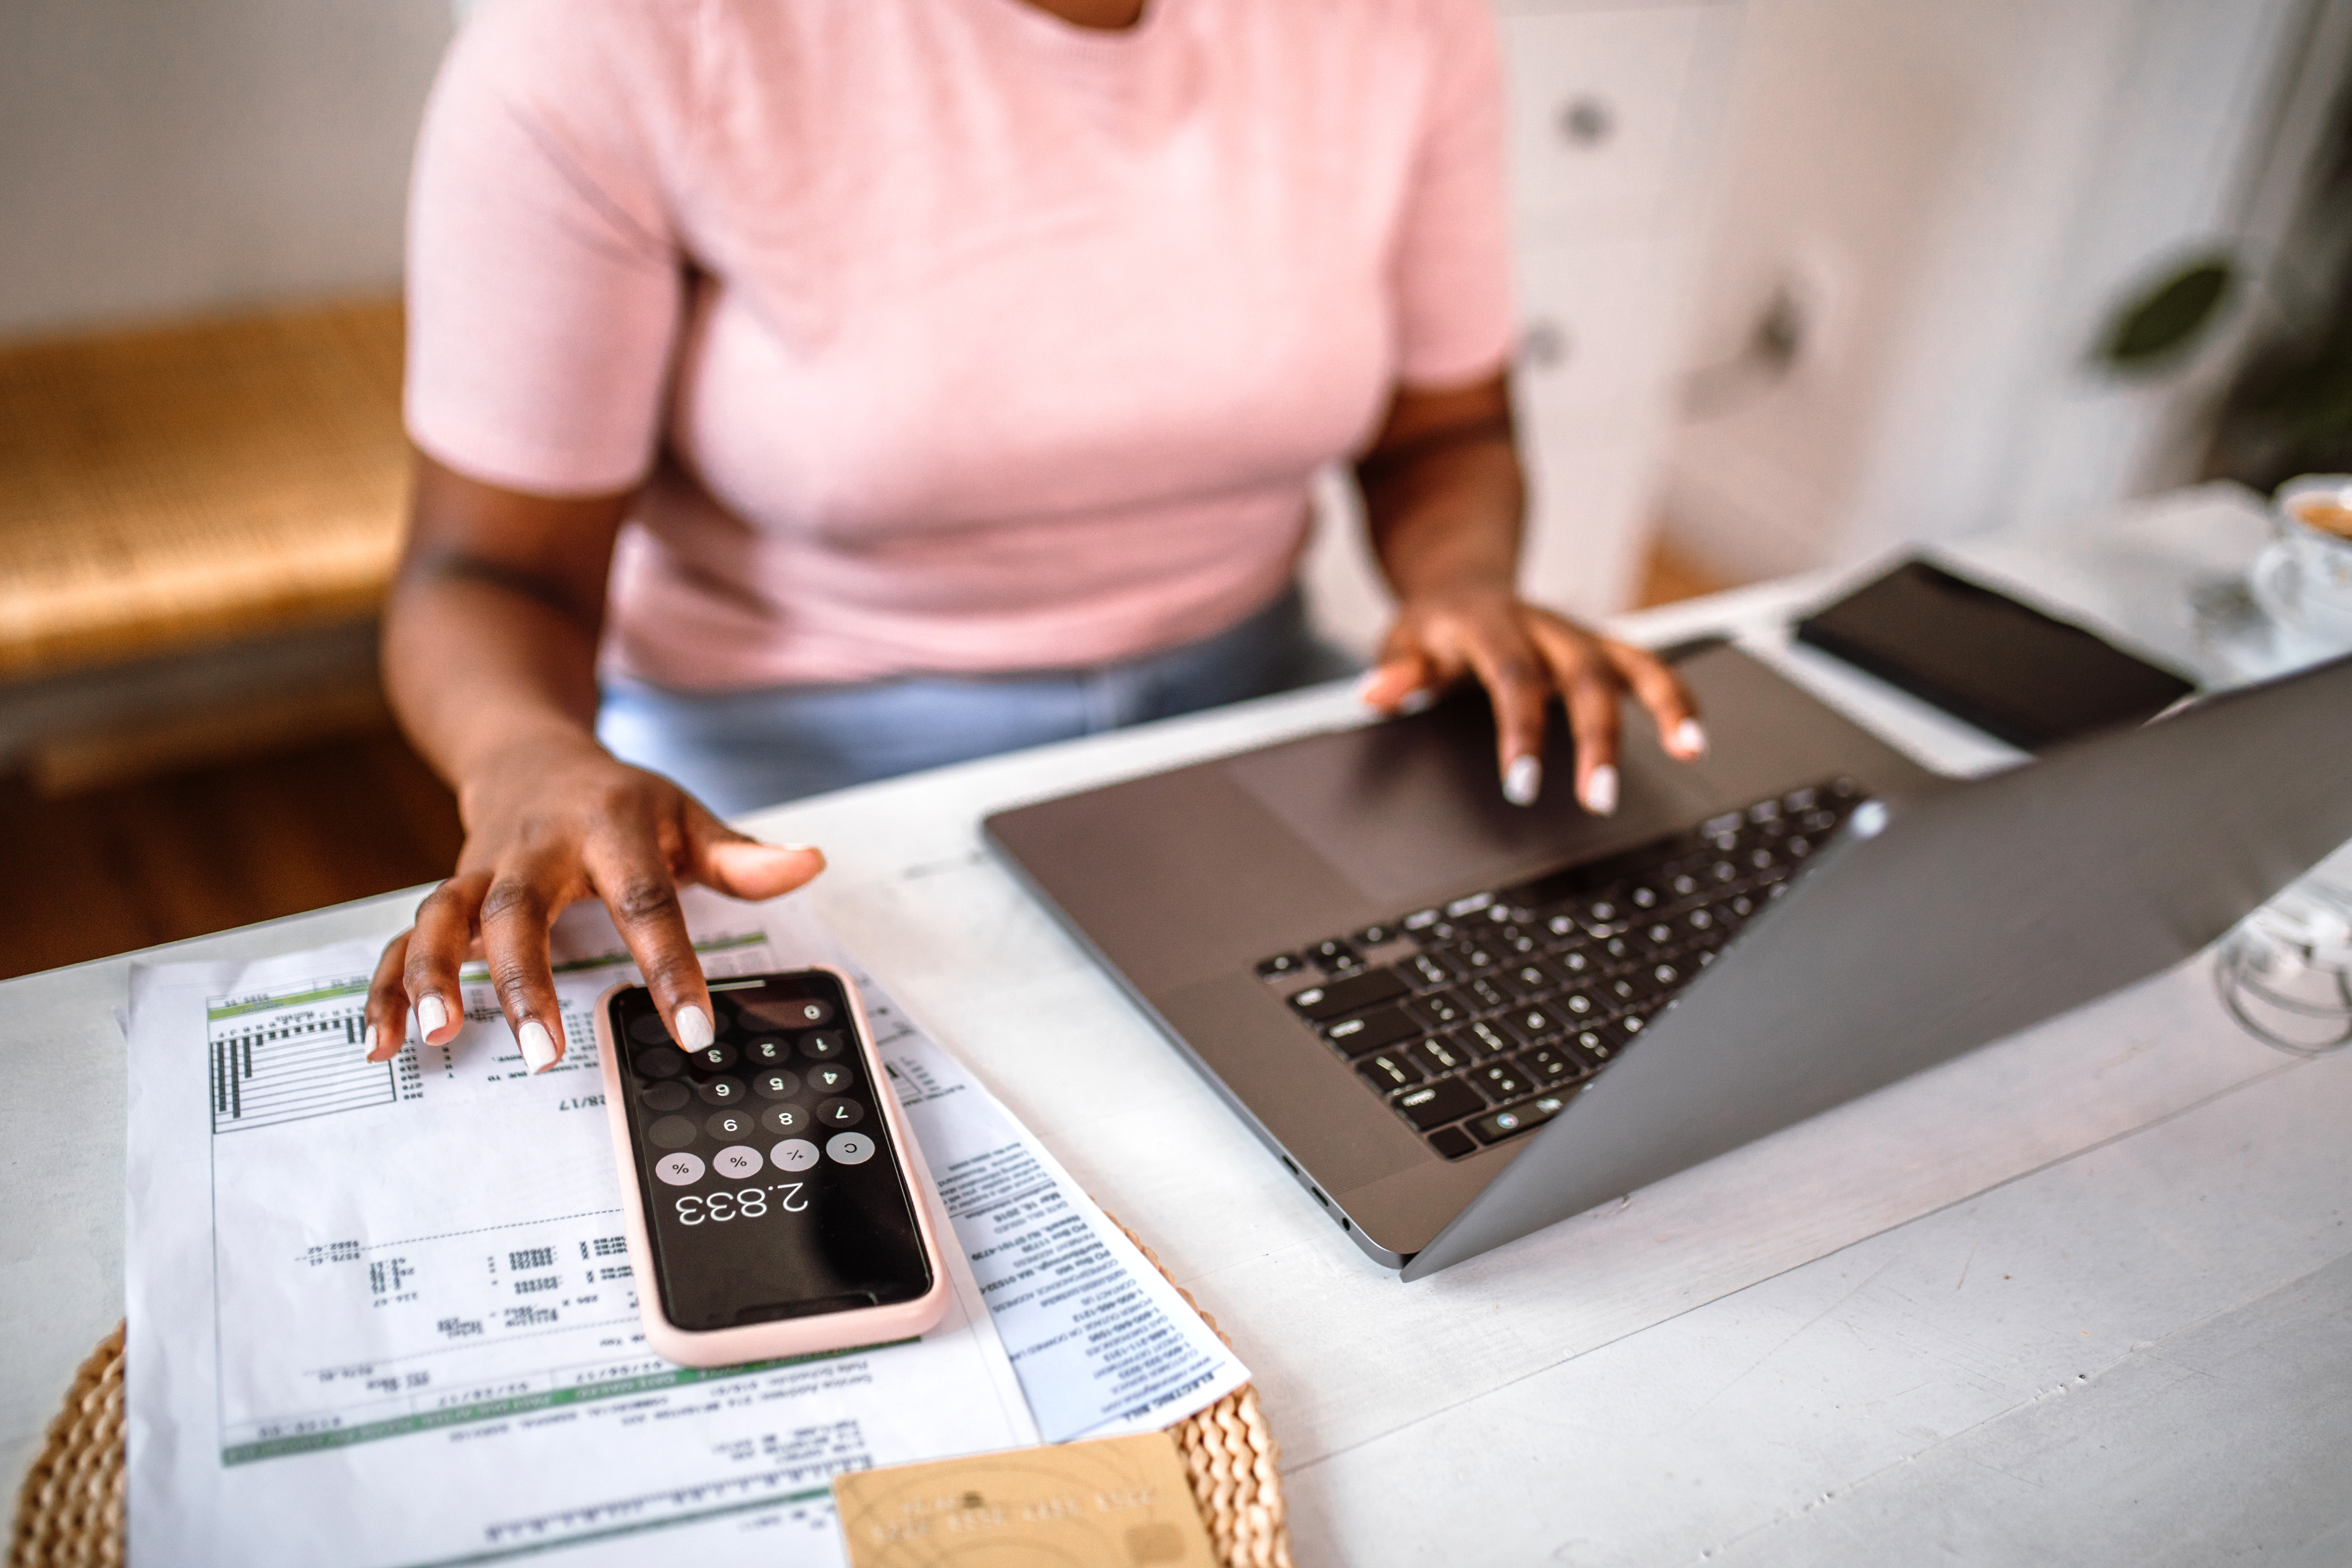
<point>2013,672</point>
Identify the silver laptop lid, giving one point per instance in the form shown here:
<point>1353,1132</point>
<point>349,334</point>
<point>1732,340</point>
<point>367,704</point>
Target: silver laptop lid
<point>1972,911</point>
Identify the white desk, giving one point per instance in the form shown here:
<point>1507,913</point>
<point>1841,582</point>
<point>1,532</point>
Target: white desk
<point>2084,1296</point>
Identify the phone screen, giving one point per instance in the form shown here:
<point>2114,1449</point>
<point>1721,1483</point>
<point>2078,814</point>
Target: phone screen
<point>770,1185</point>
<point>2013,672</point>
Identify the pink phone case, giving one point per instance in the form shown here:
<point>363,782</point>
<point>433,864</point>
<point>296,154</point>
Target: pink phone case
<point>792,1336</point>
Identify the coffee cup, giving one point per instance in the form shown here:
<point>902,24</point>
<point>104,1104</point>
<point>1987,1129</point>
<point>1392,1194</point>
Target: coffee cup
<point>2302,578</point>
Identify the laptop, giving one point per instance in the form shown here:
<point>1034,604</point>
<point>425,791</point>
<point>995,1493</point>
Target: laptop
<point>1455,1021</point>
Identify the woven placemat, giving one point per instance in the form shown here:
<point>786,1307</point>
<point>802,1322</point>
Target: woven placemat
<point>1232,1457</point>
<point>70,1514</point>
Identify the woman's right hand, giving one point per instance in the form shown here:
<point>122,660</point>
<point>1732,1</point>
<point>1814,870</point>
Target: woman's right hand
<point>550,821</point>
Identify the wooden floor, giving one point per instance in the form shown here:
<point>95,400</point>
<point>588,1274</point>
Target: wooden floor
<point>196,852</point>
<point>180,855</point>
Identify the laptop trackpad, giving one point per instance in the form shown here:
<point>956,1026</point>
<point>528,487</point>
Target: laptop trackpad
<point>1411,811</point>
<point>1414,809</point>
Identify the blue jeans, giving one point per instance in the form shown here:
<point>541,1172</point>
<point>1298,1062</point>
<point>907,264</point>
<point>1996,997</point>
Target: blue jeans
<point>736,750</point>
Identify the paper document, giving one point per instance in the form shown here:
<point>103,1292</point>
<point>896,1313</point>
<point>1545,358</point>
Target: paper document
<point>385,1314</point>
<point>1103,1343</point>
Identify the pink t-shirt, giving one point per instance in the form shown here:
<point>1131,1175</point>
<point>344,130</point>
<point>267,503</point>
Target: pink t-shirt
<point>945,336</point>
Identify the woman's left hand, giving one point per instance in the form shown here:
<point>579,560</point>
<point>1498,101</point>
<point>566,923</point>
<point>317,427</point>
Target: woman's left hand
<point>1524,655</point>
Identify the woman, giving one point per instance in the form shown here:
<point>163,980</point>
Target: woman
<point>872,382</point>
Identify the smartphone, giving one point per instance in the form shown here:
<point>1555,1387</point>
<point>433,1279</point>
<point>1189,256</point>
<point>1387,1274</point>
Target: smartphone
<point>2018,674</point>
<point>769,1180</point>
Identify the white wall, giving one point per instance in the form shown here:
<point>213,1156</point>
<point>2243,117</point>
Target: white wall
<point>161,157</point>
<point>1959,194</point>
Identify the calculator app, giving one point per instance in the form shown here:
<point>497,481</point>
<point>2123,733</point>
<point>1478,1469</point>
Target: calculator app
<point>765,1166</point>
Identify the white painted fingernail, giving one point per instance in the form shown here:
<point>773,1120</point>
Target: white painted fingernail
<point>1523,781</point>
<point>1689,739</point>
<point>692,1027</point>
<point>369,1043</point>
<point>1420,699</point>
<point>432,1017</point>
<point>538,1048</point>
<point>1601,791</point>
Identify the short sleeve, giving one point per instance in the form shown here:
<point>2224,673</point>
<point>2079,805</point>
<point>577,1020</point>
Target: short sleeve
<point>544,283</point>
<point>1452,266</point>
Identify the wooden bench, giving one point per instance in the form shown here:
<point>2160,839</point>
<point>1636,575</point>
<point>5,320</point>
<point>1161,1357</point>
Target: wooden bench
<point>197,523</point>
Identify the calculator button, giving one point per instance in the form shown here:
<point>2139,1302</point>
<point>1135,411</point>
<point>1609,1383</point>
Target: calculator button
<point>647,1029</point>
<point>825,1046</point>
<point>793,1154</point>
<point>661,1061</point>
<point>679,1170</point>
<point>663,1095</point>
<point>808,1012</point>
<point>776,1084</point>
<point>785,1118</point>
<point>674,1132</point>
<point>767,1053</point>
<point>717,1057</point>
<point>840,1113</point>
<point>830,1077</point>
<point>722,1091</point>
<point>1280,964</point>
<point>849,1148</point>
<point>726,1125</point>
<point>737,1163</point>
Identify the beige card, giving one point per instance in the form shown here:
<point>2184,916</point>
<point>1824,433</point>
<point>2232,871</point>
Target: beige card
<point>1117,1502</point>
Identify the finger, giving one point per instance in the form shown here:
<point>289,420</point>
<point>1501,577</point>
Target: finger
<point>1431,646</point>
<point>741,866</point>
<point>1405,681</point>
<point>1589,686</point>
<point>632,875</point>
<point>436,949</point>
<point>1518,684</point>
<point>516,911</point>
<point>1660,690</point>
<point>387,1002</point>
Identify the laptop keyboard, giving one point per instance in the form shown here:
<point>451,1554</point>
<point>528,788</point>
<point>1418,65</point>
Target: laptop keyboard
<point>1481,1018</point>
